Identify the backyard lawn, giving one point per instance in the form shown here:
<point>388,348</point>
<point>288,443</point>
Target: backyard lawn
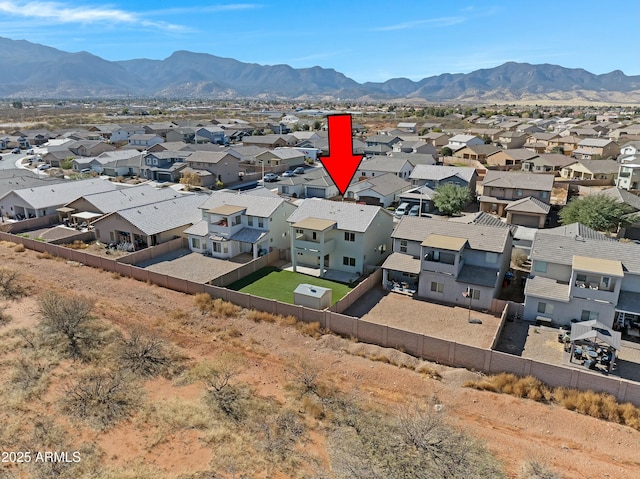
<point>276,284</point>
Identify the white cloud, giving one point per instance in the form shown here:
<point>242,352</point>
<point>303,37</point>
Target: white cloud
<point>438,22</point>
<point>62,13</point>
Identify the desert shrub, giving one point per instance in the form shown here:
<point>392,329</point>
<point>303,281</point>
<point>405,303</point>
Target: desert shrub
<point>261,316</point>
<point>67,317</point>
<point>534,470</point>
<point>143,354</point>
<point>77,244</point>
<point>10,286</point>
<point>29,376</point>
<point>177,414</point>
<point>19,248</point>
<point>100,397</point>
<point>215,307</point>
<point>45,255</point>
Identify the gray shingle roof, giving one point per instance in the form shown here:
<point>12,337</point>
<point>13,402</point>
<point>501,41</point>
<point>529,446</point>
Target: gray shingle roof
<point>163,215</point>
<point>578,229</point>
<point>40,197</point>
<point>509,179</point>
<point>547,288</point>
<point>528,205</point>
<point>384,184</point>
<point>348,216</point>
<point>109,201</point>
<point>480,237</point>
<point>554,248</point>
<point>264,206</point>
<point>478,275</point>
<point>623,196</point>
<point>439,173</point>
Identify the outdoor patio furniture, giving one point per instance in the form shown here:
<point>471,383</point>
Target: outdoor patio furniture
<point>577,353</point>
<point>590,363</point>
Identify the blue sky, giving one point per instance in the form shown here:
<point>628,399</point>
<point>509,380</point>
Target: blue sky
<point>366,40</point>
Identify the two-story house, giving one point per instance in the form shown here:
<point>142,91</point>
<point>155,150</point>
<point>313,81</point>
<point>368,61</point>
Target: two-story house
<point>211,134</point>
<point>348,238</point>
<point>221,166</point>
<point>504,191</point>
<point>596,148</point>
<point>629,176</point>
<point>232,223</point>
<point>163,165</point>
<point>457,263</point>
<point>460,141</point>
<point>381,165</point>
<point>144,141</point>
<point>583,277</point>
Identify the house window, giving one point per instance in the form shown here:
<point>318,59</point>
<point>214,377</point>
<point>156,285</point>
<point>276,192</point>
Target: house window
<point>260,222</point>
<point>491,258</point>
<point>250,220</point>
<point>544,195</point>
<point>314,235</point>
<point>195,243</point>
<point>285,190</point>
<point>348,236</point>
<point>473,293</point>
<point>518,192</point>
<point>299,231</point>
<point>220,247</point>
<point>437,287</point>
<point>382,248</point>
<point>540,266</point>
<point>581,277</point>
<point>589,315</point>
<point>545,308</point>
<point>605,281</point>
<point>155,161</point>
<point>347,261</point>
<point>403,246</point>
<point>236,220</point>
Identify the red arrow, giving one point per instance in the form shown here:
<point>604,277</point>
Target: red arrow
<point>341,164</point>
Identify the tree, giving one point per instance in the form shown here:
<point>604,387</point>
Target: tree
<point>190,179</point>
<point>600,212</point>
<point>557,149</point>
<point>17,105</point>
<point>450,199</point>
<point>446,151</point>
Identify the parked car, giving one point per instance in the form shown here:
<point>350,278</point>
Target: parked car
<point>299,170</point>
<point>30,152</point>
<point>44,166</point>
<point>288,174</point>
<point>415,210</point>
<point>402,210</point>
<point>270,177</point>
<point>85,170</point>
<point>16,151</point>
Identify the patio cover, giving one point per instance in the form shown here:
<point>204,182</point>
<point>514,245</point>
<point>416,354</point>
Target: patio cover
<point>595,330</point>
<point>86,215</point>
<point>402,262</point>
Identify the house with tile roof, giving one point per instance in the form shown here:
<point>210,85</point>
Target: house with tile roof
<point>583,277</point>
<point>476,152</point>
<point>149,224</point>
<point>348,238</point>
<point>455,263</point>
<point>232,223</point>
<point>546,163</point>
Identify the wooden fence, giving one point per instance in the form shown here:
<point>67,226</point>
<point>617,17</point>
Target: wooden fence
<point>416,344</point>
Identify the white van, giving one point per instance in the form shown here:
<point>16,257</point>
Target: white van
<point>402,210</point>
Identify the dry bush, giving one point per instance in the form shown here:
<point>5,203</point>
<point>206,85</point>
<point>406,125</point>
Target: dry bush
<point>176,413</point>
<point>534,470</point>
<point>68,316</point>
<point>10,286</point>
<point>19,248</point>
<point>305,379</point>
<point>29,376</point>
<point>77,244</point>
<point>215,307</point>
<point>116,275</point>
<point>310,329</point>
<point>45,255</point>
<point>261,316</point>
<point>143,354</point>
<point>5,318</point>
<point>100,397</point>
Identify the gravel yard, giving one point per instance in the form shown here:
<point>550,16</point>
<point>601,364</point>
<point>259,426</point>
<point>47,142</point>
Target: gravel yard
<point>436,320</point>
<point>192,266</point>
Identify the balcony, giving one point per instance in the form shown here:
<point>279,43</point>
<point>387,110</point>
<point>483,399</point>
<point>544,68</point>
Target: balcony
<point>594,292</point>
<point>314,246</point>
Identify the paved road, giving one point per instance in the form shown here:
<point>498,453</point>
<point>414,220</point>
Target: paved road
<point>9,160</point>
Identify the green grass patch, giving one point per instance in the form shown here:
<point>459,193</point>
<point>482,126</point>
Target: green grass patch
<point>276,284</point>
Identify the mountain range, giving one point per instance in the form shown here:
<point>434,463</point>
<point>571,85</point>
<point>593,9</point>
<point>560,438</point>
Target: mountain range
<point>32,70</point>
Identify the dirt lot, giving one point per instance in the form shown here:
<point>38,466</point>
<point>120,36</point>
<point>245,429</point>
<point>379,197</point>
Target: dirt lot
<point>514,429</point>
<point>440,321</point>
